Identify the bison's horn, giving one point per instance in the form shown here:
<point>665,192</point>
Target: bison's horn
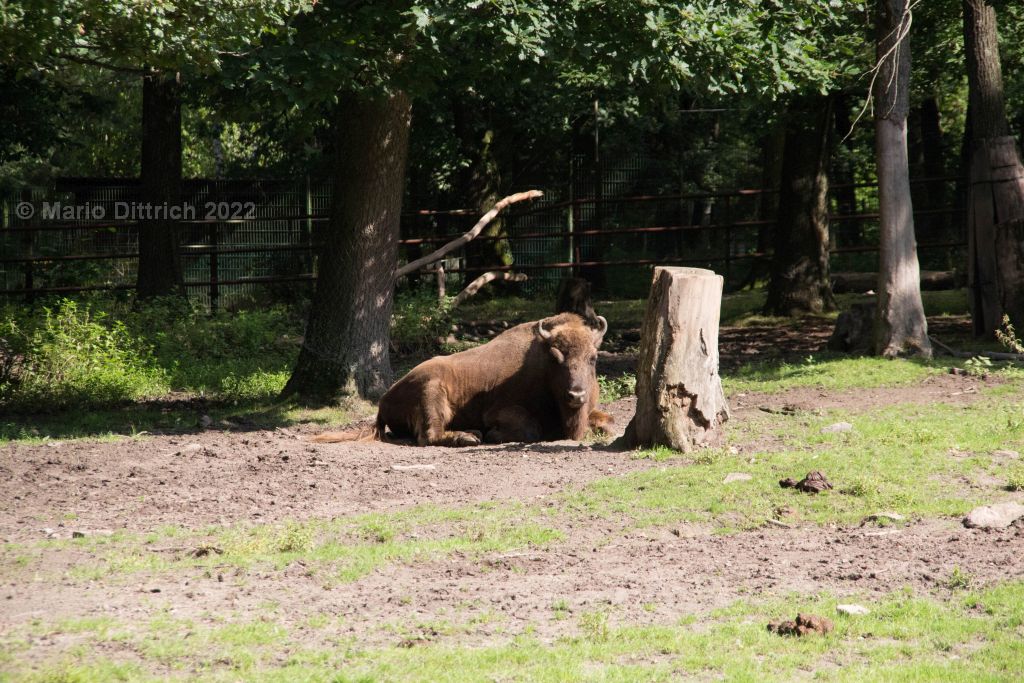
<point>602,325</point>
<point>541,332</point>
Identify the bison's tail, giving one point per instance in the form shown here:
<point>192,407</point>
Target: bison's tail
<point>374,433</point>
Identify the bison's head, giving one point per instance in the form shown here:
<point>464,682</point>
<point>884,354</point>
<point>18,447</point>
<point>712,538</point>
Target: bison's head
<point>573,346</point>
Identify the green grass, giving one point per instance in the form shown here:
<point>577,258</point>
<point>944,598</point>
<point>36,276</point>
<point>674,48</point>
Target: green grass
<point>829,371</point>
<point>968,636</point>
<point>910,459</point>
<point>136,420</point>
<point>337,550</point>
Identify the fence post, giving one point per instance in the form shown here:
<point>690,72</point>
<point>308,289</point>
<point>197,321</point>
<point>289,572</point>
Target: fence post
<point>570,210</point>
<point>28,248</point>
<point>212,237</point>
<point>728,239</point>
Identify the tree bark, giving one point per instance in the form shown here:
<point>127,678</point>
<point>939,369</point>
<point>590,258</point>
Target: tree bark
<point>995,205</point>
<point>345,350</point>
<point>901,326</point>
<point>680,403</point>
<point>799,278</point>
<point>159,271</point>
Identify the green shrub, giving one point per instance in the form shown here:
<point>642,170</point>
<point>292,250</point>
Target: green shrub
<point>420,322</point>
<point>72,355</point>
<point>108,351</point>
<point>612,389</point>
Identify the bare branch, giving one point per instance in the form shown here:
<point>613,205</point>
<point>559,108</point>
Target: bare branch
<point>901,31</point>
<point>477,284</point>
<point>992,355</point>
<point>413,266</point>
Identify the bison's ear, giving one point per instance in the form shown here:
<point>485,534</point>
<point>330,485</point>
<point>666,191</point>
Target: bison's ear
<point>602,327</point>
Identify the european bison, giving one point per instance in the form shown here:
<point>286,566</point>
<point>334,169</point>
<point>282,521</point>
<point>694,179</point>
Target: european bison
<point>534,382</point>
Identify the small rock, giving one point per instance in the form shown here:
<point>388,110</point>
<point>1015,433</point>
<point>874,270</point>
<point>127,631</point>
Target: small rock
<point>413,468</point>
<point>778,523</point>
<point>49,533</point>
<point>852,610</point>
<point>190,448</point>
<point>837,428</point>
<point>1010,455</point>
<point>736,476</point>
<point>997,516</point>
<point>205,421</point>
<point>805,625</point>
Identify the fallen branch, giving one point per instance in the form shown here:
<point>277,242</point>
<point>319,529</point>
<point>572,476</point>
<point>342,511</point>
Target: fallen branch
<point>477,284</point>
<point>991,355</point>
<point>413,266</point>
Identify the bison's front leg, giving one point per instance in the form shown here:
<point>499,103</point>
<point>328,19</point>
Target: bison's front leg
<point>437,415</point>
<point>469,438</point>
<point>511,423</point>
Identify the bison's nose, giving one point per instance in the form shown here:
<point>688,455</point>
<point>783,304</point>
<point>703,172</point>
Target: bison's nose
<point>577,397</point>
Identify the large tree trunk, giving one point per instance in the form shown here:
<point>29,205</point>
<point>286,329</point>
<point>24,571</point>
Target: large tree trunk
<point>680,403</point>
<point>995,206</point>
<point>901,327</point>
<point>345,351</point>
<point>159,272</point>
<point>799,278</point>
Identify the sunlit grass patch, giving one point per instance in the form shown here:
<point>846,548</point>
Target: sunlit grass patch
<point>342,549</point>
<point>835,372</point>
<point>918,460</point>
<point>966,635</point>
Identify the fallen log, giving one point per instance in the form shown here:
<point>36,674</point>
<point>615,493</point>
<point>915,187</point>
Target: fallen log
<point>991,355</point>
<point>843,283</point>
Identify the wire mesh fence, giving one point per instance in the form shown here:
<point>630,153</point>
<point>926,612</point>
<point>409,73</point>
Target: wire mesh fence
<point>247,240</point>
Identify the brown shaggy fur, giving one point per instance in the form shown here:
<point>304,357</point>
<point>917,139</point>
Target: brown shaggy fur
<point>530,383</point>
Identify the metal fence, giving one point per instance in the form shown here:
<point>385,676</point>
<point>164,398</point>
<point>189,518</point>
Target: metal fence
<point>262,245</point>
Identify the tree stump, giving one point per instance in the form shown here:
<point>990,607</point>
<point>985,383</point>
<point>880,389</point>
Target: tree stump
<point>574,297</point>
<point>680,403</point>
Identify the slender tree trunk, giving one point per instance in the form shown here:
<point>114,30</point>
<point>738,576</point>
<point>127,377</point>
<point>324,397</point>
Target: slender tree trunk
<point>480,186</point>
<point>346,347</point>
<point>995,205</point>
<point>768,202</point>
<point>901,326</point>
<point>799,279</point>
<point>848,232</point>
<point>159,271</point>
<point>934,166</point>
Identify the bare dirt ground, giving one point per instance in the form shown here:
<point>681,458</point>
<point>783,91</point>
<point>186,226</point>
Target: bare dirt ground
<point>235,476</point>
